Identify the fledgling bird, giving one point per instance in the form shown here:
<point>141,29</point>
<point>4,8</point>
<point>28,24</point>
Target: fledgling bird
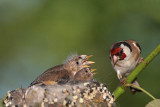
<point>65,72</point>
<point>85,74</point>
<point>125,55</point>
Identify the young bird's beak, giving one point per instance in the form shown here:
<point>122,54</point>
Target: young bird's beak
<point>115,59</point>
<point>90,62</point>
<point>94,73</point>
<point>86,66</point>
<point>88,57</point>
<point>93,70</point>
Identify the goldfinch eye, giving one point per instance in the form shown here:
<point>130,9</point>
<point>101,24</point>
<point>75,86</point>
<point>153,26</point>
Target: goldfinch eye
<point>115,51</point>
<point>121,51</point>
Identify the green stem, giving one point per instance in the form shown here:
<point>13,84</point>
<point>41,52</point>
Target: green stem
<point>135,86</point>
<point>120,89</point>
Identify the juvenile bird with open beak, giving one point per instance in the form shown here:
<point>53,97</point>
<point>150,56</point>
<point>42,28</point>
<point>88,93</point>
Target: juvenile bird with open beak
<point>65,72</point>
<point>125,56</point>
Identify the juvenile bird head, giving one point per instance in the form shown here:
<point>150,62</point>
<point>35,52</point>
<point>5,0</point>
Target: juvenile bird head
<point>84,74</point>
<point>77,63</point>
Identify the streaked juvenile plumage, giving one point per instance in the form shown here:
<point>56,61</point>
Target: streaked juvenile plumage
<point>63,73</point>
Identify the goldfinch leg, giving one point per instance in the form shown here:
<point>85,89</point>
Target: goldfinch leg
<point>141,59</point>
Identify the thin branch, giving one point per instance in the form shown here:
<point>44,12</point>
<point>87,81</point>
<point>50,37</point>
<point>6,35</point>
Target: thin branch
<point>135,86</point>
<point>120,89</point>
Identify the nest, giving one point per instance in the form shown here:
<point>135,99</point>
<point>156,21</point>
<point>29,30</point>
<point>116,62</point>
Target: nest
<point>72,94</point>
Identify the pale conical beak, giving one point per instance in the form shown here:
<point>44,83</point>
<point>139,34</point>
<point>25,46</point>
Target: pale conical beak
<point>115,59</point>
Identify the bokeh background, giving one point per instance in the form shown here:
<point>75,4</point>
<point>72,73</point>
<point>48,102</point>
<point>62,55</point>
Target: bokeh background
<point>38,34</point>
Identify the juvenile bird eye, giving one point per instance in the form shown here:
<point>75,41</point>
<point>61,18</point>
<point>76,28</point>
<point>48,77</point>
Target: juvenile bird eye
<point>80,57</point>
<point>86,71</point>
<point>77,63</point>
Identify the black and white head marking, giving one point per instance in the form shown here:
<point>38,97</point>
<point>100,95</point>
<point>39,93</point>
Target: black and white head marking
<point>138,46</point>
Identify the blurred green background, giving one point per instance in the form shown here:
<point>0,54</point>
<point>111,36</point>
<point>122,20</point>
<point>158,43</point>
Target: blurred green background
<point>38,34</point>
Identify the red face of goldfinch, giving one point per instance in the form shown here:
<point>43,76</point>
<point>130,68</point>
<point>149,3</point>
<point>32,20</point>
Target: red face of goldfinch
<point>124,56</point>
<point>117,54</point>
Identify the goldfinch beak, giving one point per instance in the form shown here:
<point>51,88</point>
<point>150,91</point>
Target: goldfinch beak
<point>115,59</point>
